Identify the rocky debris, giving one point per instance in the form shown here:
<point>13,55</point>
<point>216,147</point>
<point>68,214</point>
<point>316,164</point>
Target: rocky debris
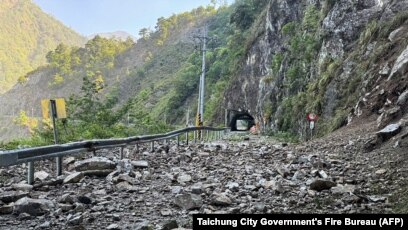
<point>41,175</point>
<point>34,207</point>
<point>320,185</point>
<point>95,163</point>
<point>389,131</point>
<point>188,201</point>
<point>183,178</point>
<point>387,116</point>
<point>73,177</point>
<point>68,160</point>
<point>144,225</point>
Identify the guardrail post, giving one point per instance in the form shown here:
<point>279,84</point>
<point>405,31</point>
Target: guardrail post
<point>30,173</point>
<point>121,153</point>
<point>207,135</point>
<point>178,140</point>
<point>152,146</point>
<point>195,136</point>
<point>186,138</point>
<point>58,160</point>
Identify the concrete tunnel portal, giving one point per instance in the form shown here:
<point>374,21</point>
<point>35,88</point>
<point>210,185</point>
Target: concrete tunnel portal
<point>240,120</point>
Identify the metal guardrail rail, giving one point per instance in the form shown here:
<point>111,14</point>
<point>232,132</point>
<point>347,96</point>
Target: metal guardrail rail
<point>19,156</point>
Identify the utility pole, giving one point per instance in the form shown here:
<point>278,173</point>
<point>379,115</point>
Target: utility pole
<point>200,107</point>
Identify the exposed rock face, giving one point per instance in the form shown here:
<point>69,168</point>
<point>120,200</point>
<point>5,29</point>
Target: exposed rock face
<point>344,23</point>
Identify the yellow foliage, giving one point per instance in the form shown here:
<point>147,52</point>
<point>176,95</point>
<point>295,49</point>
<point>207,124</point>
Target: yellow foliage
<point>29,122</point>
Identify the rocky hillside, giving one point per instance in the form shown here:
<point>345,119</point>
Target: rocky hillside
<point>343,60</point>
<point>27,35</point>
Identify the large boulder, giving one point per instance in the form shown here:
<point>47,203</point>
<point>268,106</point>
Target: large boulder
<point>188,201</point>
<point>320,185</point>
<point>95,163</point>
<point>34,207</point>
<point>11,196</point>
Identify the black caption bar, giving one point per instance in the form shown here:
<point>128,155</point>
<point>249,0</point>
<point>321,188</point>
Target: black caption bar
<point>300,221</point>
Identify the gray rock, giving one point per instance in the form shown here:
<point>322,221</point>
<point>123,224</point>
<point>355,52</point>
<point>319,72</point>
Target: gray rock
<point>124,177</point>
<point>124,166</point>
<point>389,131</point>
<point>166,212</point>
<point>34,207</point>
<point>11,196</point>
<point>183,178</point>
<point>45,225</point>
<point>84,199</point>
<point>6,209</point>
<point>320,185</point>
<point>398,33</point>
<point>125,186</point>
<point>68,160</point>
<point>401,65</point>
<point>22,187</point>
<point>233,186</point>
<point>188,201</point>
<point>41,175</point>
<point>65,207</point>
<point>73,178</point>
<point>144,225</point>
<point>66,199</point>
<point>403,98</point>
<point>75,220</point>
<point>220,199</point>
<point>95,163</point>
<point>113,227</point>
<point>197,189</point>
<point>169,225</point>
<point>385,70</point>
<point>140,164</point>
<point>341,189</point>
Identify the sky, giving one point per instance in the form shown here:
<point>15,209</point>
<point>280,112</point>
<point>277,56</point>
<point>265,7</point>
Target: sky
<point>89,17</point>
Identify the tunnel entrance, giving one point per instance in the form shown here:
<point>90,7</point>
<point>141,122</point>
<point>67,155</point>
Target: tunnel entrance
<point>241,121</point>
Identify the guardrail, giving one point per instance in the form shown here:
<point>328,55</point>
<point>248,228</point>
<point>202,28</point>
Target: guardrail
<point>19,156</point>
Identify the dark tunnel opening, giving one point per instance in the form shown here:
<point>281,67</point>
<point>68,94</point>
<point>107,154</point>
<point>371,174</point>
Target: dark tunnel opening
<point>242,121</point>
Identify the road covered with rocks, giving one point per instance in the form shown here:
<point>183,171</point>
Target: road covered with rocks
<point>341,173</point>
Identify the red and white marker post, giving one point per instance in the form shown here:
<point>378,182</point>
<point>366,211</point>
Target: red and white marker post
<point>312,118</point>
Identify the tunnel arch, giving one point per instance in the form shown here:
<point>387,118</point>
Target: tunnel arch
<point>242,121</point>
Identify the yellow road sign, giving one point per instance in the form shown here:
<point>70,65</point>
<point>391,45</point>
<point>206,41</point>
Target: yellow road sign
<point>45,107</point>
<point>61,111</point>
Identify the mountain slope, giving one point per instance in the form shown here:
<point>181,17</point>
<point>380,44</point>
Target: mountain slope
<point>27,34</point>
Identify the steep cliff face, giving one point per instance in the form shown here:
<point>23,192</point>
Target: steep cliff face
<point>323,57</point>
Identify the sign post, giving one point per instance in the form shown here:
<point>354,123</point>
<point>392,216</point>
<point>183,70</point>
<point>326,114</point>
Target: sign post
<point>57,111</point>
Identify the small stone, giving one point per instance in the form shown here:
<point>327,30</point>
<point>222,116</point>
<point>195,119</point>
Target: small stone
<point>221,200</point>
<point>125,186</point>
<point>188,201</point>
<point>73,178</point>
<point>341,189</point>
<point>84,199</point>
<point>320,185</point>
<point>22,187</point>
<point>166,212</point>
<point>183,178</point>
<point>124,177</point>
<point>172,224</point>
<point>24,216</point>
<point>197,189</point>
<point>140,164</point>
<point>75,220</point>
<point>41,175</point>
<point>113,227</point>
<point>95,163</point>
<point>144,225</point>
<point>323,174</point>
<point>380,171</point>
<point>233,186</point>
<point>45,225</point>
<point>6,209</point>
<point>68,160</point>
<point>67,199</point>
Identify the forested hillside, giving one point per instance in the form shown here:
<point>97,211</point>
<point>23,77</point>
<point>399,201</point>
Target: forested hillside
<point>26,35</point>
